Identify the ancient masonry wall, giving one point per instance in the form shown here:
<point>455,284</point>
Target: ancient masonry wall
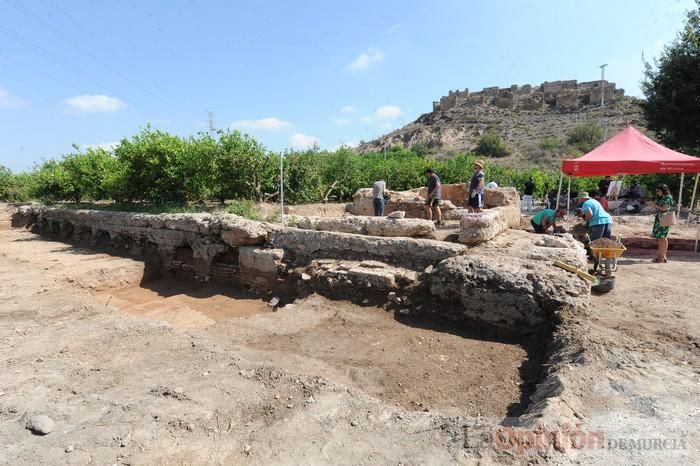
<point>502,212</point>
<point>563,95</point>
<point>502,292</point>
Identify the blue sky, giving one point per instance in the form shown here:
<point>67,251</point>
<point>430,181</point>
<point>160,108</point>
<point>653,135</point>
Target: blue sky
<point>290,73</point>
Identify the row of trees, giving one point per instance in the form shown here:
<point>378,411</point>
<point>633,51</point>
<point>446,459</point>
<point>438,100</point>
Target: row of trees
<point>160,168</point>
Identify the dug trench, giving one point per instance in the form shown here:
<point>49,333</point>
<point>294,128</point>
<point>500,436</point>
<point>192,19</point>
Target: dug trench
<point>420,361</point>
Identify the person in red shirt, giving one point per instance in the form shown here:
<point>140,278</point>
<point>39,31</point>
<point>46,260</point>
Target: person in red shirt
<point>603,200</point>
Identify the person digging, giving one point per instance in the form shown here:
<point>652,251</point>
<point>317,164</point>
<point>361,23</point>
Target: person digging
<point>546,219</point>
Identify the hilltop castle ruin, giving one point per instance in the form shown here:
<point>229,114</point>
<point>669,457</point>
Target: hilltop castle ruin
<point>562,95</point>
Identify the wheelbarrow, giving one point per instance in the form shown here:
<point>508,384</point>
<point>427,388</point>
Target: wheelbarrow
<point>605,260</point>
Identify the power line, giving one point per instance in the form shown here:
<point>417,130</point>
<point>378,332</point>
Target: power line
<point>56,59</point>
<point>42,22</point>
<point>31,68</point>
<point>93,36</point>
<point>60,81</point>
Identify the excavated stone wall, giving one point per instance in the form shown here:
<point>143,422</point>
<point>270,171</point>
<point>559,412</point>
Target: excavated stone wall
<point>362,225</point>
<point>503,292</point>
<point>501,212</point>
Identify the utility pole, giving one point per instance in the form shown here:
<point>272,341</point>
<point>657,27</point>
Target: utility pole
<point>282,188</point>
<point>211,123</point>
<point>602,84</point>
<point>602,99</point>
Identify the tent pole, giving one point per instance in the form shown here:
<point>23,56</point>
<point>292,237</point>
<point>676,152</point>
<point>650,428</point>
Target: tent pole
<point>680,197</point>
<point>692,199</point>
<point>561,178</point>
<point>568,196</point>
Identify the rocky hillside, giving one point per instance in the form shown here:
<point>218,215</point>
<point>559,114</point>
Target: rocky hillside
<point>536,137</point>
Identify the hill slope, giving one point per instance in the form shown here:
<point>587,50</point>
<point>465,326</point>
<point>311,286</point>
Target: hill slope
<point>536,137</point>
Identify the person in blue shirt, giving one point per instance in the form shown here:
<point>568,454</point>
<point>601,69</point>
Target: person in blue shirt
<point>599,221</point>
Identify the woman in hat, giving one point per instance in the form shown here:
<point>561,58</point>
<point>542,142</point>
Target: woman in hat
<point>476,187</point>
<point>599,221</point>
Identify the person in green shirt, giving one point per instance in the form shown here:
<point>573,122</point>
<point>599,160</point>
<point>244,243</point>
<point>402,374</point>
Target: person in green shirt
<point>545,219</point>
<point>663,203</point>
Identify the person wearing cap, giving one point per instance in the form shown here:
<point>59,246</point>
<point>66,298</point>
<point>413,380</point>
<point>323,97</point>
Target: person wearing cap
<point>432,202</point>
<point>546,218</point>
<point>599,221</point>
<point>476,187</point>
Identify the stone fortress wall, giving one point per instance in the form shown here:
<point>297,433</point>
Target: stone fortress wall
<point>567,95</point>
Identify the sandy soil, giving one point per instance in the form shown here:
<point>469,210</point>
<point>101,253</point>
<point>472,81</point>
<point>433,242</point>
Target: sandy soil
<point>173,373</point>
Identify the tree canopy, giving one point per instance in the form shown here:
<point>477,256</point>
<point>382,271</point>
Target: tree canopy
<point>672,89</point>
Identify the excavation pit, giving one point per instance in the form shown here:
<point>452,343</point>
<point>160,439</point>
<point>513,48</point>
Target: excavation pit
<point>415,362</point>
<point>419,324</point>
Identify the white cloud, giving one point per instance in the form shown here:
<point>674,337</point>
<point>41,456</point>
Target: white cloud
<point>95,103</point>
<point>269,124</point>
<point>348,109</point>
<point>10,101</point>
<point>366,59</point>
<point>302,141</point>
<point>394,27</point>
<point>102,145</point>
<point>342,121</point>
<point>366,119</point>
<point>388,112</point>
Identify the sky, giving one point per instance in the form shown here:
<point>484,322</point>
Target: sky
<point>292,73</point>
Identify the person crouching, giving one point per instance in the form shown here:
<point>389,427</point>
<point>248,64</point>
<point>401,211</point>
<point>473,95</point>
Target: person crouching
<point>546,219</point>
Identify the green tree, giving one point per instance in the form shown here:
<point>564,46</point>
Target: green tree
<point>6,183</point>
<point>242,168</point>
<point>585,137</point>
<point>672,87</point>
<point>86,174</point>
<point>421,149</point>
<point>154,167</point>
<point>492,145</point>
<point>51,182</point>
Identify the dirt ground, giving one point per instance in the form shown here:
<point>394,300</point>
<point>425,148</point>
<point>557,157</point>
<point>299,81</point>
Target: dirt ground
<point>172,373</point>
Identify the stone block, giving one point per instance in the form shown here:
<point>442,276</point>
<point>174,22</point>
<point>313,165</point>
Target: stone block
<point>531,247</point>
<point>349,224</point>
<point>475,228</point>
<point>411,253</point>
<point>237,231</point>
<point>259,267</point>
<point>505,293</point>
<point>409,227</point>
<point>501,196</point>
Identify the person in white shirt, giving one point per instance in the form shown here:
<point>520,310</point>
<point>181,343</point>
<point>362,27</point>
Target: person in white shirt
<point>378,192</point>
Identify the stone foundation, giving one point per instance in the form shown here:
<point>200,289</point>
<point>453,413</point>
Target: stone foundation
<point>500,291</point>
<point>362,225</point>
<point>501,212</point>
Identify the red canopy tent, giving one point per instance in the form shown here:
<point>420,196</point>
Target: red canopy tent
<point>631,153</point>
